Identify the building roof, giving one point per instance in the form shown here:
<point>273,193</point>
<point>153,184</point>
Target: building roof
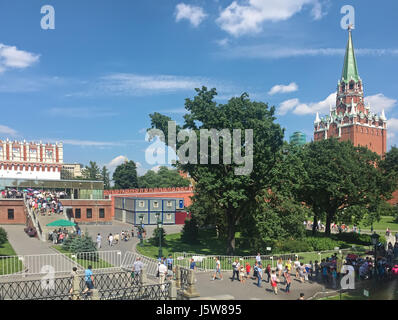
<point>350,69</point>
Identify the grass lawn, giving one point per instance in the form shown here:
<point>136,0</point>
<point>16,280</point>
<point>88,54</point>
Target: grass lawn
<point>385,221</point>
<point>100,264</point>
<point>9,265</point>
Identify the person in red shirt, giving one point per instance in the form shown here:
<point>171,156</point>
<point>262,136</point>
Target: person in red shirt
<point>248,267</point>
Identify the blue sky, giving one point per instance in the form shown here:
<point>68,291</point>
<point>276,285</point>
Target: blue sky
<point>93,80</point>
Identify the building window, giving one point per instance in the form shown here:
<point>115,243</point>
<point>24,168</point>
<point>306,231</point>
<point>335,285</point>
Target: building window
<point>89,213</point>
<point>102,213</point>
<point>141,204</point>
<point>10,214</point>
<point>156,204</point>
<point>169,203</point>
<point>78,213</point>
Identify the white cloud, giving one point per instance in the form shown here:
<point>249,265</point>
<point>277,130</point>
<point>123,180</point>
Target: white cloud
<point>116,162</point>
<point>239,19</point>
<point>134,84</point>
<point>156,168</point>
<point>195,15</point>
<point>7,131</point>
<point>378,102</point>
<point>82,113</point>
<point>280,88</point>
<point>223,42</point>
<point>88,143</point>
<point>274,52</point>
<point>11,57</point>
<point>286,106</point>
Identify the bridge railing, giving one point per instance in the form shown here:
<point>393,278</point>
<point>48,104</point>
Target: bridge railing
<point>108,286</point>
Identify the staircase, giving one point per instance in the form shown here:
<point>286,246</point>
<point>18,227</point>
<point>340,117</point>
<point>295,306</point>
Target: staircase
<point>35,220</point>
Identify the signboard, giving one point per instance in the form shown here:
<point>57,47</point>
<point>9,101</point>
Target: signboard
<point>366,293</point>
<point>268,248</point>
<point>198,258</point>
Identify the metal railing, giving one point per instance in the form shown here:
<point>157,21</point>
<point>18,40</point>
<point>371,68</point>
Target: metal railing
<point>108,286</point>
<point>57,263</point>
<point>205,263</point>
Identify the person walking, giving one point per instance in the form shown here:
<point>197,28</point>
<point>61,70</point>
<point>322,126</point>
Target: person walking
<point>75,290</point>
<point>274,282</point>
<point>296,267</point>
<point>217,269</point>
<point>279,266</point>
<point>258,258</point>
<point>110,239</point>
<point>162,274</point>
<point>288,279</point>
<point>192,266</point>
<point>99,238</point>
<point>242,274</point>
<point>268,272</point>
<point>259,275</point>
<point>137,267</point>
<point>235,270</point>
<point>89,279</point>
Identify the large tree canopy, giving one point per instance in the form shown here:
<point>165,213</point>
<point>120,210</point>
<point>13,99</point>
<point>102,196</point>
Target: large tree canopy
<point>125,176</point>
<point>229,195</point>
<point>343,183</point>
<point>163,178</point>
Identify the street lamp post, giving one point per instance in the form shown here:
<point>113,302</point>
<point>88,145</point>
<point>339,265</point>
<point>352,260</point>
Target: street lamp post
<point>159,222</point>
<point>375,240</point>
<point>140,230</point>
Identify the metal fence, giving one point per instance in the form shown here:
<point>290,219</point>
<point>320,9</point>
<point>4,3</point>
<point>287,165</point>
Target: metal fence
<point>109,286</point>
<point>205,263</point>
<point>59,263</point>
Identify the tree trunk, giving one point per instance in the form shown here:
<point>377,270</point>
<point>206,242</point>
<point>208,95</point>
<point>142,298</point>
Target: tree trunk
<point>328,222</point>
<point>230,233</point>
<point>314,225</point>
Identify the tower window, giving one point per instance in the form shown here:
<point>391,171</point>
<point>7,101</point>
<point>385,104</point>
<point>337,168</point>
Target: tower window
<point>352,85</point>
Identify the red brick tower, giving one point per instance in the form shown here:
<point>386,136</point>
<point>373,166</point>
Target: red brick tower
<point>351,119</point>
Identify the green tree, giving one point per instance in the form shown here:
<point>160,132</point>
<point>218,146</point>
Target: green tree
<point>91,172</point>
<point>3,236</point>
<point>164,178</point>
<point>217,186</point>
<point>105,177</point>
<point>125,176</point>
<point>343,183</point>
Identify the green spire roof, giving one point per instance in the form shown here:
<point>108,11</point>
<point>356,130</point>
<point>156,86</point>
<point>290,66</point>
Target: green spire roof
<point>350,69</point>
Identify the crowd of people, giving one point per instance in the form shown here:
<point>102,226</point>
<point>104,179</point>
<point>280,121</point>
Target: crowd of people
<point>328,271</point>
<point>45,202</point>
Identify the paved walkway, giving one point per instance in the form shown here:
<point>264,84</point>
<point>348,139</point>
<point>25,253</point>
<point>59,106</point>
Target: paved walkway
<point>249,290</point>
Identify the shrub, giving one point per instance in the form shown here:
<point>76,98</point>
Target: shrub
<point>190,232</point>
<point>3,236</point>
<point>155,238</point>
<point>80,246</point>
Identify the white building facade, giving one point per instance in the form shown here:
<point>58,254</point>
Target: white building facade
<point>30,160</point>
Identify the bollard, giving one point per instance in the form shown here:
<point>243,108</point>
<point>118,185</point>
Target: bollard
<point>191,292</point>
<point>173,290</point>
<point>143,280</point>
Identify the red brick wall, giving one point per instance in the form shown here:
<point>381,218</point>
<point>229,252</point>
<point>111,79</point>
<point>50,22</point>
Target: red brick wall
<point>19,212</point>
<point>94,205</point>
